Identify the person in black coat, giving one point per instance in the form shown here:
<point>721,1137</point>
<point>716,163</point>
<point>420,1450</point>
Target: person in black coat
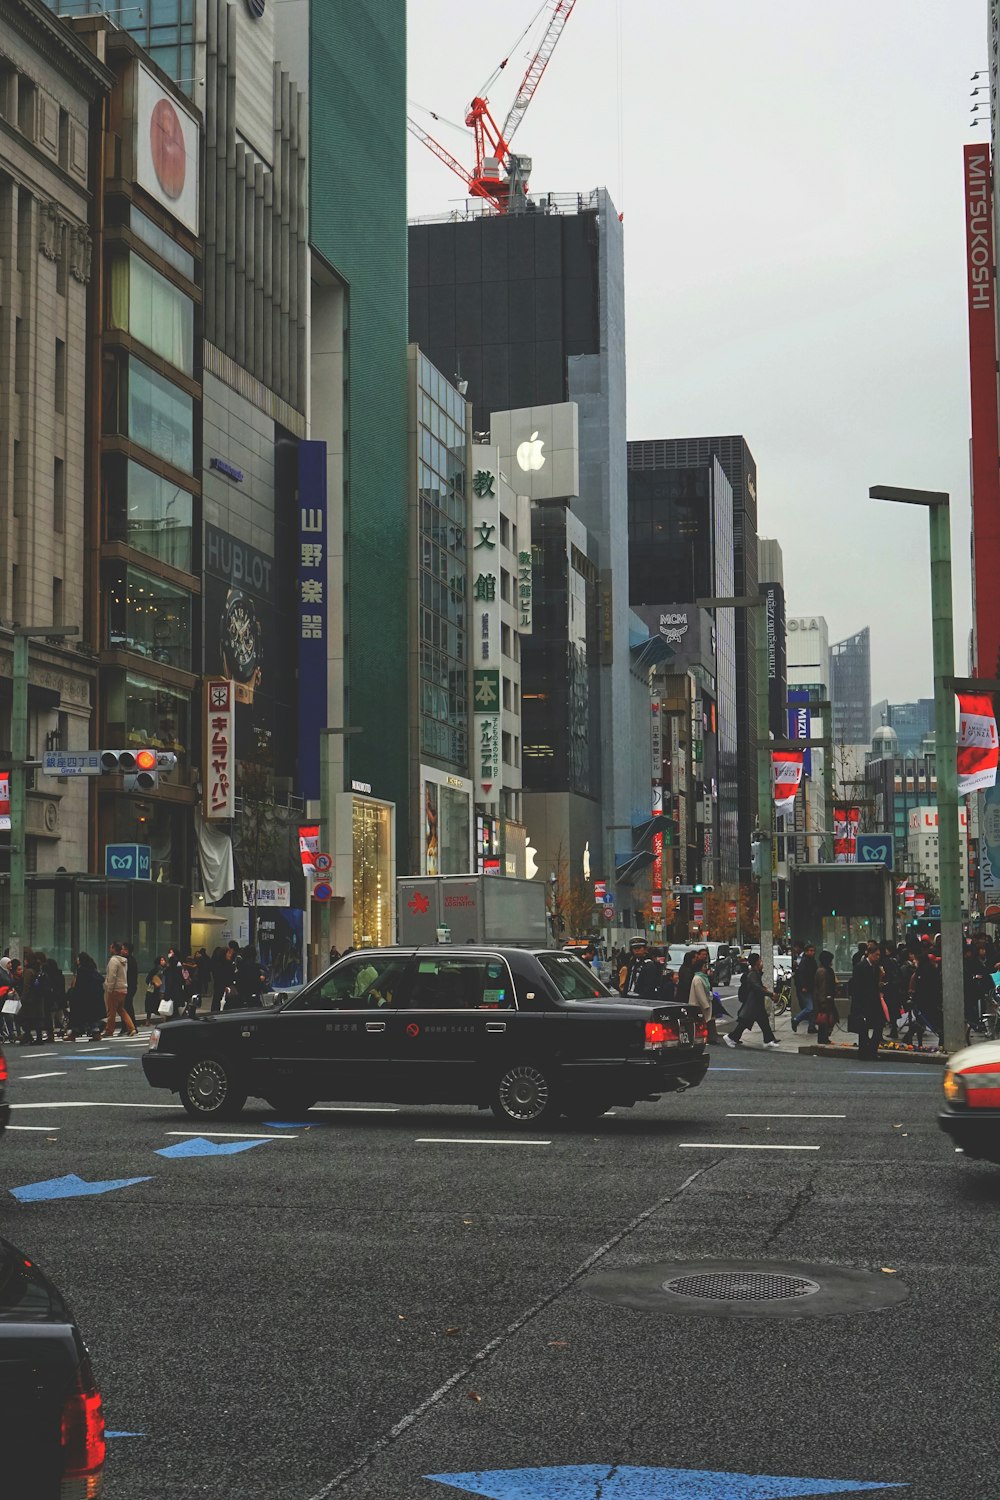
<point>247,984</point>
<point>173,982</point>
<point>867,1016</point>
<point>85,1000</point>
<point>222,975</point>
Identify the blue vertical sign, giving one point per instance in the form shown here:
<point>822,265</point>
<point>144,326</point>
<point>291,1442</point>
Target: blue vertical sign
<point>800,724</point>
<point>314,552</point>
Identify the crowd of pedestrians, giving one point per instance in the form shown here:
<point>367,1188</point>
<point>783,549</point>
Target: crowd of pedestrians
<point>38,1005</point>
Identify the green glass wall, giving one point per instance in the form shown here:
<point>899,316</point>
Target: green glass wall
<point>357,156</point>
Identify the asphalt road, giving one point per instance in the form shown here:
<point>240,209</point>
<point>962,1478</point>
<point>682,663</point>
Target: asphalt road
<point>370,1298</point>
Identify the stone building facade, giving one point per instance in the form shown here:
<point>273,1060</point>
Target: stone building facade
<point>51,86</point>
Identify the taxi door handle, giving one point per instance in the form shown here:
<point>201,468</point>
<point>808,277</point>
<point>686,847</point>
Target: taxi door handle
<point>496,1026</point>
<point>374,1025</point>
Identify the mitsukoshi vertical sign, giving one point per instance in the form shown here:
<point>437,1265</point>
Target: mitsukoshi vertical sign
<point>985,428</point>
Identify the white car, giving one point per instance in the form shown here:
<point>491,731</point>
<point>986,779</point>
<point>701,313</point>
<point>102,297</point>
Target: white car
<point>971,1113</point>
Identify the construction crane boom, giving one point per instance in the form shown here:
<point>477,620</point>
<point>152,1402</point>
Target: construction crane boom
<point>443,154</point>
<point>561,11</point>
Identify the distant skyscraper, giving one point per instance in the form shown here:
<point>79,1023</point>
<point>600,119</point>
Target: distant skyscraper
<point>852,689</point>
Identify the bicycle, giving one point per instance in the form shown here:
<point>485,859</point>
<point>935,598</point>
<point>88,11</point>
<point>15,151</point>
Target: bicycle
<point>782,1001</point>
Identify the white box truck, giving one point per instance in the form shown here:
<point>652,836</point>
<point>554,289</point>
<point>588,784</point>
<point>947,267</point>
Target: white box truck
<point>470,908</point>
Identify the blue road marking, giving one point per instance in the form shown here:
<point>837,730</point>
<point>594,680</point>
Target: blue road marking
<point>200,1147</point>
<point>290,1124</point>
<point>123,1434</point>
<point>70,1186</point>
<point>623,1482</point>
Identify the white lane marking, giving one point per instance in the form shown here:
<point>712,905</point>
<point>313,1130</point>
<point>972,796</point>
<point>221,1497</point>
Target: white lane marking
<point>27,1077</point>
<point>93,1104</point>
<point>785,1117</point>
<point>356,1109</point>
<point>235,1135</point>
<point>49,1128</point>
<point>737,1146</point>
<point>105,1067</point>
<point>455,1140</point>
<point>38,1056</point>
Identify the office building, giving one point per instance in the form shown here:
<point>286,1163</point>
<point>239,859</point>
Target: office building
<point>681,550</point>
<point>738,465</point>
<point>912,722</point>
<point>51,90</point>
<point>529,310</point>
<point>852,689</point>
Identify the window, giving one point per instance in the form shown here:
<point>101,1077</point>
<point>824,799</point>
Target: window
<point>504,532</point>
<point>505,585</point>
<point>505,640</point>
<point>157,239</point>
<point>153,310</point>
<point>58,496</point>
<point>160,416</point>
<point>572,979</point>
<point>149,616</point>
<point>20,355</point>
<point>64,139</point>
<point>59,394</point>
<point>368,982</point>
<point>57,601</point>
<point>505,739</point>
<point>456,983</point>
<point>27,96</point>
<point>150,513</point>
<point>144,712</point>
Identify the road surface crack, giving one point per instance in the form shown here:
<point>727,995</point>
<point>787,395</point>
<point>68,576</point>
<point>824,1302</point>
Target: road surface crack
<point>802,1198</point>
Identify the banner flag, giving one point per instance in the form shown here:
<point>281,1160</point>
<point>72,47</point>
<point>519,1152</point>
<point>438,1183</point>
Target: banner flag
<point>786,773</point>
<point>978,747</point>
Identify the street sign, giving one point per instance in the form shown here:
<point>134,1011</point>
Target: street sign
<point>127,862</point>
<point>608,898</point>
<point>322,863</point>
<point>874,849</point>
<point>600,889</point>
<point>322,891</point>
<point>71,763</point>
<point>934,912</point>
<point>683,890</point>
<point>609,914</point>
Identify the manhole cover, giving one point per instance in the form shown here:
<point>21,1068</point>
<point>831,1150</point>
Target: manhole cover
<point>746,1289</point>
<point>741,1286</point>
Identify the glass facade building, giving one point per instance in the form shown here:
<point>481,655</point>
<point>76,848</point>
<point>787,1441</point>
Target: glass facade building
<point>852,689</point>
<point>164,28</point>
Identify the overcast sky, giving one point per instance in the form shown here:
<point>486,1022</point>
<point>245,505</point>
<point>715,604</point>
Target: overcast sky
<point>791,178</point>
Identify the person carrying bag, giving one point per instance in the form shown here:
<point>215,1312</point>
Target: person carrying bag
<point>825,997</point>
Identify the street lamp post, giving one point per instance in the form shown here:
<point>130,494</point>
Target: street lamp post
<point>19,770</point>
<point>942,636</point>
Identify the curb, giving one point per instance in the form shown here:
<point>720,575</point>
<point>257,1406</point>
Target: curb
<point>885,1054</point>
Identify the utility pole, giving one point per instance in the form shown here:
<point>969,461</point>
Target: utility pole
<point>942,635</point>
<point>19,772</point>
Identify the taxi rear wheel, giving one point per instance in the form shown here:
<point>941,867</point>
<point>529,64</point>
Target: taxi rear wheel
<point>211,1091</point>
<point>525,1095</point>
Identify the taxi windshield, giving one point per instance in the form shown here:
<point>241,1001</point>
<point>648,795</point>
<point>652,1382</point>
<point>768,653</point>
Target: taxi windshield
<point>573,979</point>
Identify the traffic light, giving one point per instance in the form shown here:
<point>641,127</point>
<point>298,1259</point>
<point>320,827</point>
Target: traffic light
<point>140,769</point>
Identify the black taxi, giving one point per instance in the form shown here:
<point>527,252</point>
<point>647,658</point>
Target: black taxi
<point>528,1033</point>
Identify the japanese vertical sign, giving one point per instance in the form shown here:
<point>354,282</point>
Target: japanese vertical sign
<point>313,616</point>
<point>484,575</point>
<point>220,748</point>
<point>5,802</point>
<point>524,585</point>
<point>800,725</point>
<point>979,252</point>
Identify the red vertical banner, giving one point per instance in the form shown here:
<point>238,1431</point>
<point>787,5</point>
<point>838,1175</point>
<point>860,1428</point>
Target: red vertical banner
<point>985,426</point>
<point>978,748</point>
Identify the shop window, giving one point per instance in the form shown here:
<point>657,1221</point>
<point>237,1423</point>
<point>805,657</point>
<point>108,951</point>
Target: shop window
<point>140,712</point>
<point>159,241</point>
<point>150,617</point>
<point>147,511</point>
<point>154,311</point>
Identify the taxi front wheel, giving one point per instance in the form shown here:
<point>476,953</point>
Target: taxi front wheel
<point>210,1091</point>
<point>525,1095</point>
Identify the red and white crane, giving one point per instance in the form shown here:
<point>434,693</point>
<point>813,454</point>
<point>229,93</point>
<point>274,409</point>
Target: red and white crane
<point>500,176</point>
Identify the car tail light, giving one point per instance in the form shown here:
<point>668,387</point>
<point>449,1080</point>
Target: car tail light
<point>701,1033</point>
<point>3,1068</point>
<point>83,1445</point>
<point>661,1034</point>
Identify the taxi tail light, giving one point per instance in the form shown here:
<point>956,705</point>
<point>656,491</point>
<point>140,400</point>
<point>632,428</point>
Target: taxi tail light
<point>83,1444</point>
<point>3,1070</point>
<point>661,1034</point>
<point>701,1032</point>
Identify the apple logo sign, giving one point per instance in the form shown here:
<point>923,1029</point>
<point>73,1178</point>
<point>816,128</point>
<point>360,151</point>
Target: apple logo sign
<point>530,455</point>
<point>166,140</point>
<point>531,860</point>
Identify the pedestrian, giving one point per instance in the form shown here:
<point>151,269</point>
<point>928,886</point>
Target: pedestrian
<point>701,994</point>
<point>85,1000</point>
<point>32,1017</point>
<point>204,966</point>
<point>54,983</point>
<point>9,997</point>
<point>115,990</point>
<point>154,990</point>
<point>173,986</point>
<point>752,997</point>
<point>334,953</point>
<point>684,976</point>
<point>867,1016</point>
<point>628,975</point>
<point>132,982</point>
<point>248,981</point>
<point>805,973</point>
<point>825,997</point>
<point>222,975</point>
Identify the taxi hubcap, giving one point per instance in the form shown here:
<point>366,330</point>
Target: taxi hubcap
<point>524,1093</point>
<point>207,1085</point>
